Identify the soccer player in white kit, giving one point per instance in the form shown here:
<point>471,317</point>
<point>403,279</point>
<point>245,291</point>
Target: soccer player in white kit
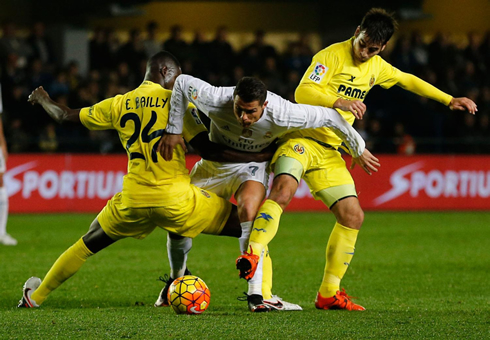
<point>249,118</point>
<point>5,238</point>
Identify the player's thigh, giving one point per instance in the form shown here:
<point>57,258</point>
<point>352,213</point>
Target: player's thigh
<point>202,212</point>
<point>207,176</point>
<point>119,221</point>
<point>292,158</point>
<point>225,179</point>
<point>329,180</point>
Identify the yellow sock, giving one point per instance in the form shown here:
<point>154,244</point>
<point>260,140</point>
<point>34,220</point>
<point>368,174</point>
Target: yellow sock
<point>65,266</point>
<point>265,226</point>
<point>267,276</point>
<point>340,250</point>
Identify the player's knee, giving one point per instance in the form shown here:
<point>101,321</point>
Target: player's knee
<point>352,218</point>
<point>247,211</point>
<point>283,190</point>
<point>96,239</point>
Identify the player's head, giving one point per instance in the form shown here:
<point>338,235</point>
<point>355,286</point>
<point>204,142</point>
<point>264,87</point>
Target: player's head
<point>373,34</point>
<point>249,100</point>
<point>163,68</point>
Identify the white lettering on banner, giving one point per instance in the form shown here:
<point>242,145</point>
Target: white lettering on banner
<point>435,183</point>
<point>66,184</point>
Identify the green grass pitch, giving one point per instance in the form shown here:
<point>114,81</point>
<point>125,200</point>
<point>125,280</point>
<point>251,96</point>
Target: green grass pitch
<point>420,275</point>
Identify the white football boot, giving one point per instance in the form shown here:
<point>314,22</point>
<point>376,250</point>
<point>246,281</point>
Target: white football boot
<point>29,287</point>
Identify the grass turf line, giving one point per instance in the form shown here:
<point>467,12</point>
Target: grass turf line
<point>420,275</point>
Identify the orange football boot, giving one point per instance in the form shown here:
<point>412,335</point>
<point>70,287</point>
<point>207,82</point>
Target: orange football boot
<point>247,265</point>
<point>339,301</point>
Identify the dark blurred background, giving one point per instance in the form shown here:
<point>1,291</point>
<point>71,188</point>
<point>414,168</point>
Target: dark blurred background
<point>86,51</point>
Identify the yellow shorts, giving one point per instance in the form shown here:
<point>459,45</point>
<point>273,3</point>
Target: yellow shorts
<point>203,212</point>
<point>322,168</point>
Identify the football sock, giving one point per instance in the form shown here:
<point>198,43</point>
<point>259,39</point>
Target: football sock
<point>4,210</point>
<point>177,255</point>
<point>265,226</point>
<point>65,266</point>
<point>340,250</point>
<point>243,240</point>
<point>255,283</point>
<point>266,275</point>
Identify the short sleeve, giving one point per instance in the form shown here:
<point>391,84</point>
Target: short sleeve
<point>98,116</point>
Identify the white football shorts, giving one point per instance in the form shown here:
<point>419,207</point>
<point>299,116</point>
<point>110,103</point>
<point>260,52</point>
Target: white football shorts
<point>224,179</point>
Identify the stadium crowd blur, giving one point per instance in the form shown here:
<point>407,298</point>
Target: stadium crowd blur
<point>396,121</point>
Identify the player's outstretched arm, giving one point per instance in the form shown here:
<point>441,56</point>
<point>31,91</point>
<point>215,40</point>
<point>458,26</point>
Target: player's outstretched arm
<point>462,104</point>
<point>58,112</point>
<point>367,162</point>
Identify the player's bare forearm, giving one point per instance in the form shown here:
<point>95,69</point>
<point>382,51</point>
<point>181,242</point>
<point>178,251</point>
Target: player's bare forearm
<point>60,113</point>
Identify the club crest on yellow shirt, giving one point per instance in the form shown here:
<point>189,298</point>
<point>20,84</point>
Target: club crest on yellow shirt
<point>205,193</point>
<point>371,81</point>
<point>299,149</point>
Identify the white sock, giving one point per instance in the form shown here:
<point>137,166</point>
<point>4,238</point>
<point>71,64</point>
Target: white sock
<point>255,283</point>
<point>177,255</point>
<point>243,240</point>
<point>4,210</point>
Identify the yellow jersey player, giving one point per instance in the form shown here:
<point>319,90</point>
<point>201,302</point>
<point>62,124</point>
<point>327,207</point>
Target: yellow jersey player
<point>340,77</point>
<point>155,192</point>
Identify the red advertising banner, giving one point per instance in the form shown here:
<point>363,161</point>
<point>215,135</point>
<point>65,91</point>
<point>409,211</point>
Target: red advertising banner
<point>62,182</point>
<point>66,182</point>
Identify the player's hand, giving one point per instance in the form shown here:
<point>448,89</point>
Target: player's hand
<point>167,145</point>
<point>37,96</point>
<point>462,104</point>
<point>367,162</point>
<point>357,107</point>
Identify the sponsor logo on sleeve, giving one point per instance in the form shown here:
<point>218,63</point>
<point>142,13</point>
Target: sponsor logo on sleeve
<point>318,73</point>
<point>194,94</point>
<point>195,115</point>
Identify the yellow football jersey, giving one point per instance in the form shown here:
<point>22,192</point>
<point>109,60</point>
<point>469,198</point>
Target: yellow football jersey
<point>334,73</point>
<point>140,117</point>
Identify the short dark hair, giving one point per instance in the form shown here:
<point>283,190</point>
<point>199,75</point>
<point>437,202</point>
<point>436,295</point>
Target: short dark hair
<point>379,25</point>
<point>251,89</point>
<point>162,58</point>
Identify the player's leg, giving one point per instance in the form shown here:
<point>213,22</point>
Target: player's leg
<point>177,249</point>
<point>5,238</point>
<point>249,196</point>
<point>114,222</point>
<point>72,260</point>
<point>332,183</point>
<point>288,172</point>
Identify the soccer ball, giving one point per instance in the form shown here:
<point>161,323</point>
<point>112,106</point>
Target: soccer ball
<point>189,295</point>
